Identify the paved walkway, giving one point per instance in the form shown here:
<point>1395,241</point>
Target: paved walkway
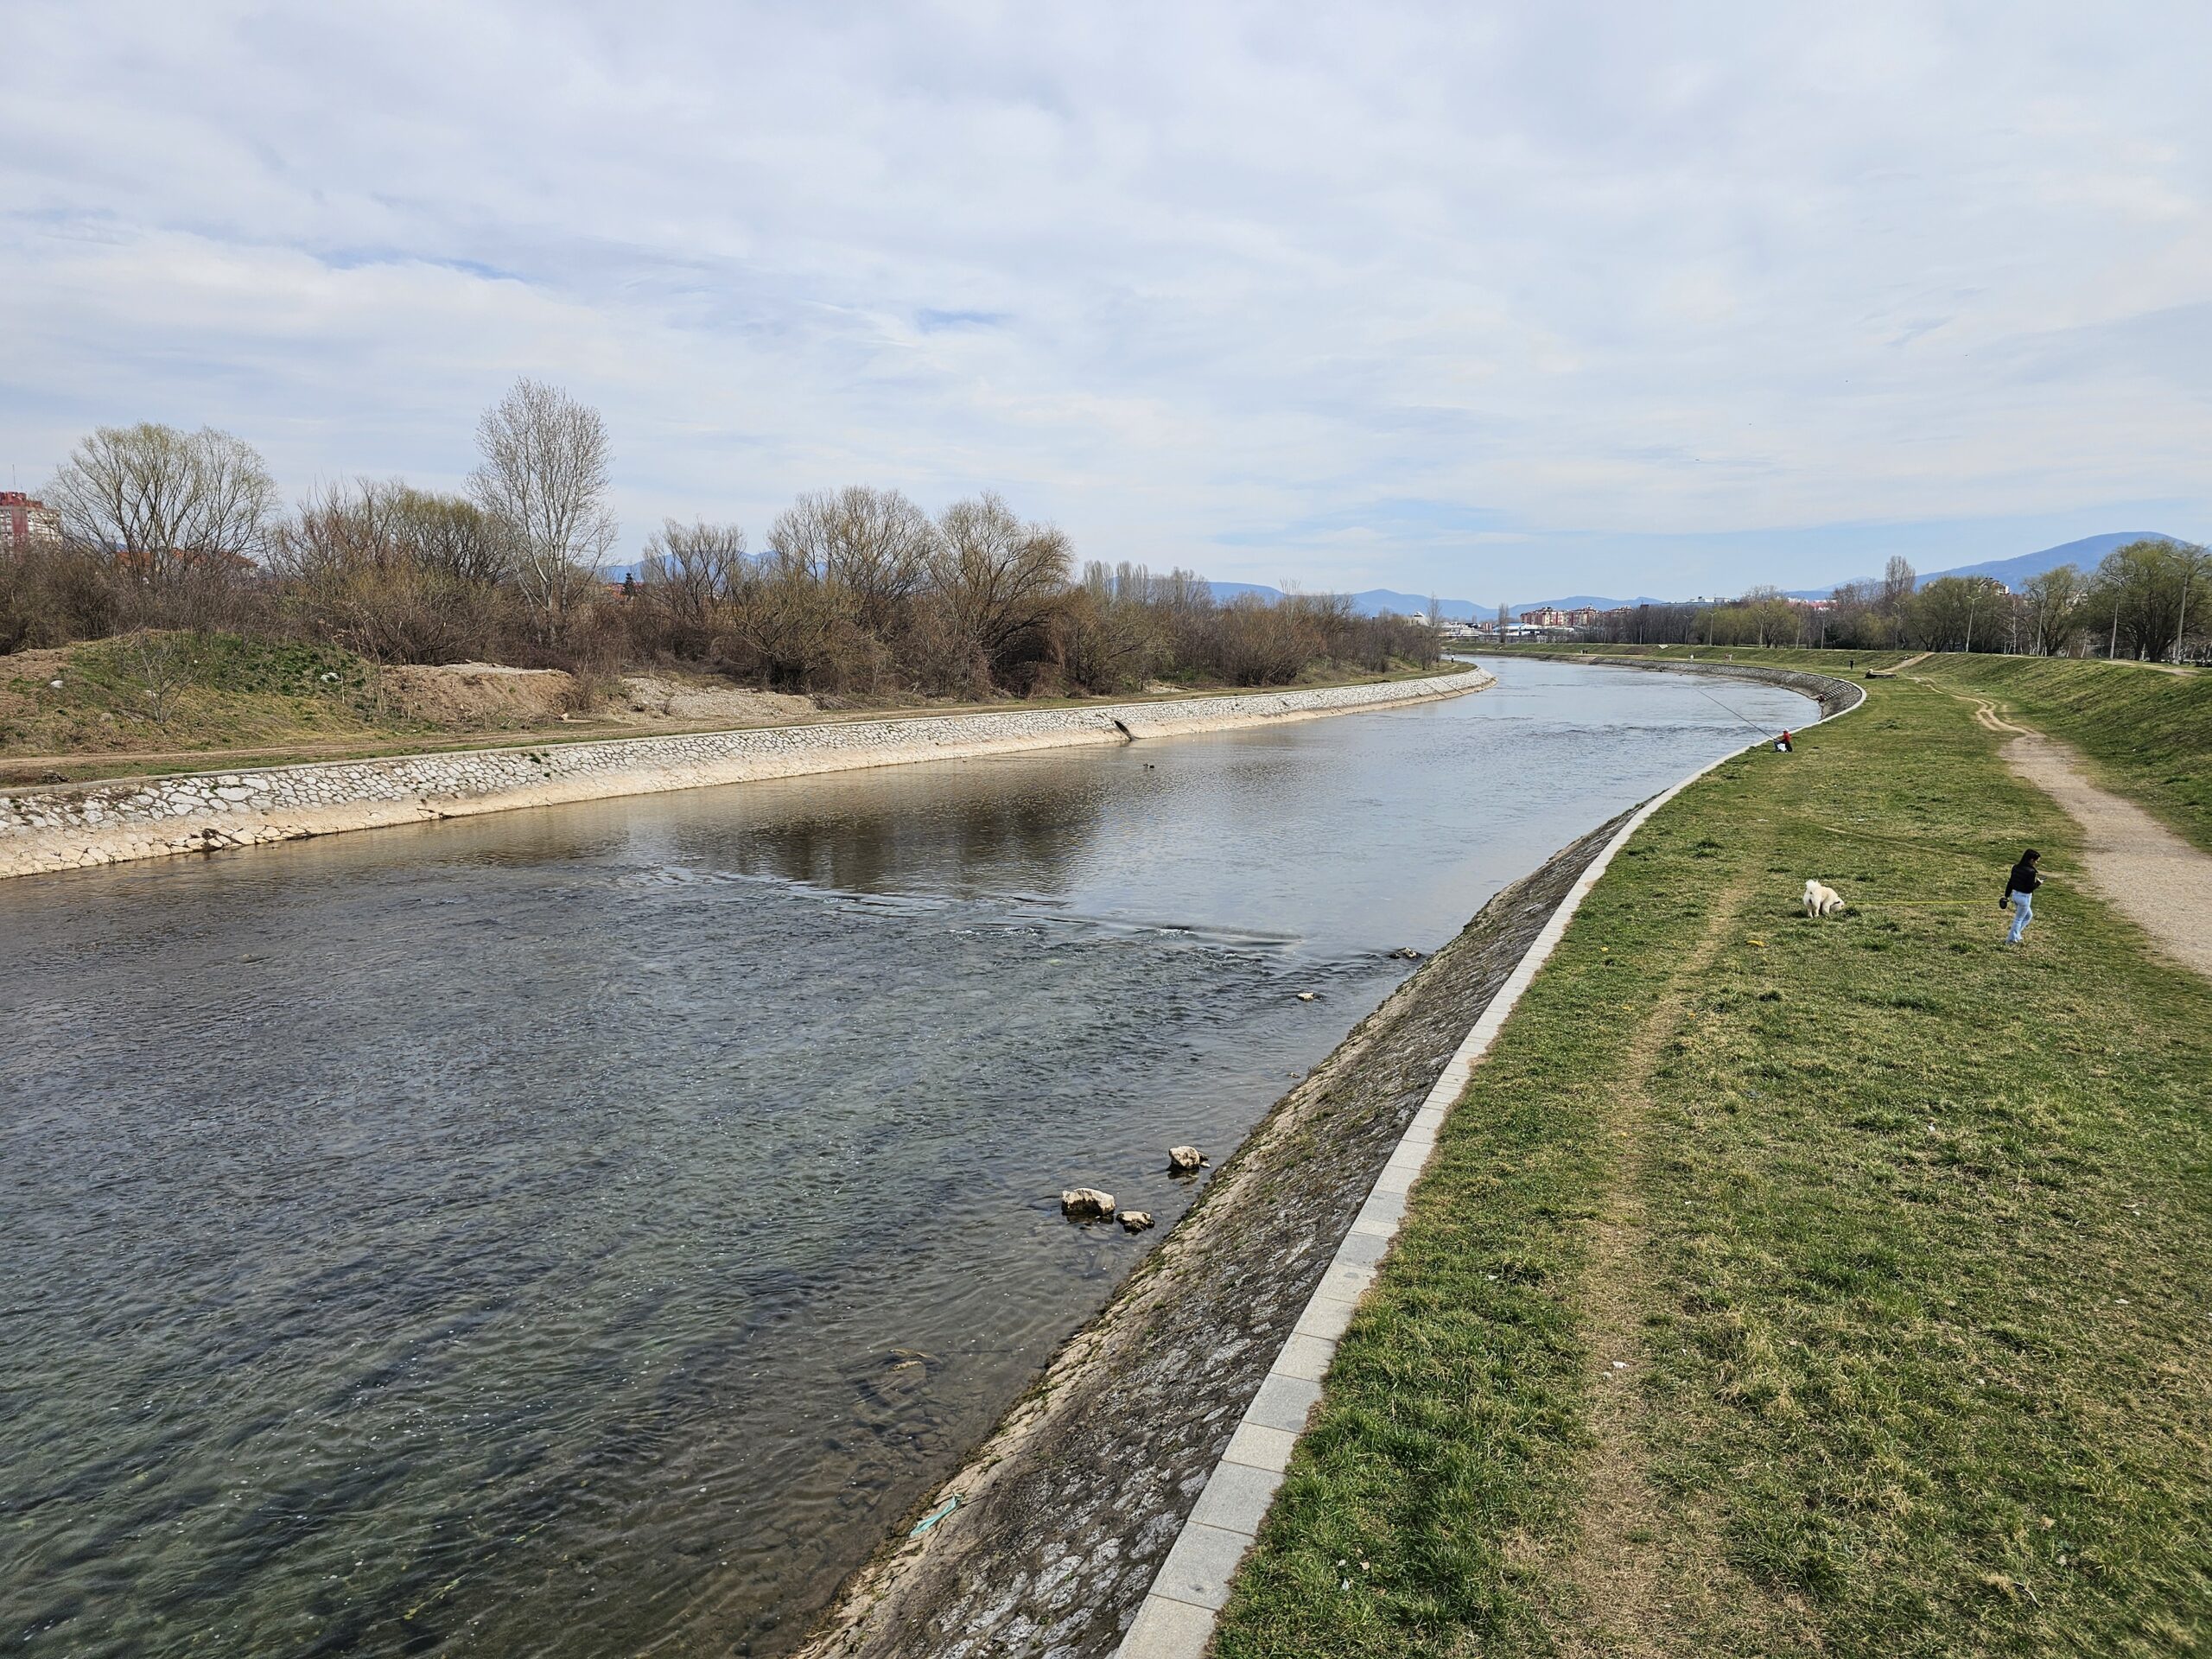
<point>2142,868</point>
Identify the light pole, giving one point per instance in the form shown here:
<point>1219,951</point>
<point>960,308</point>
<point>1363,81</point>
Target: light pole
<point>2188,563</point>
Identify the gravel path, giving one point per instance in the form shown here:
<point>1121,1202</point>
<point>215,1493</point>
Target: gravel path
<point>2142,868</point>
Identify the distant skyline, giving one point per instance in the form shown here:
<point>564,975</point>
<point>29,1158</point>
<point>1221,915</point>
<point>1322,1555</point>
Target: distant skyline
<point>1487,301</point>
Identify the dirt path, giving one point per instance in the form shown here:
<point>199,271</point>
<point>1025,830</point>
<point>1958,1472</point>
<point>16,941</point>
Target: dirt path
<point>1647,1578</point>
<point>2142,868</point>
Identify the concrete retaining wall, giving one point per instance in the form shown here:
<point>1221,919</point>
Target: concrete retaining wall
<point>73,827</point>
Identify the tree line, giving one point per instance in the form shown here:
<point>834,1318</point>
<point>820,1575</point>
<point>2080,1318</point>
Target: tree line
<point>856,591</point>
<point>2150,600</point>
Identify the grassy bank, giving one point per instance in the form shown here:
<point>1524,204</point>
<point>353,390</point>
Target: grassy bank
<point>1792,1287</point>
<point>2145,731</point>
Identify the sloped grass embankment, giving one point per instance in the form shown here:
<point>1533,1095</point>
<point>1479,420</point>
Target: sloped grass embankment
<point>2146,731</point>
<point>1792,1287</point>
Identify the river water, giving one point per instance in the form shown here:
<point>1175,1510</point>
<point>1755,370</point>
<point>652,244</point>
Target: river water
<point>586,1230</point>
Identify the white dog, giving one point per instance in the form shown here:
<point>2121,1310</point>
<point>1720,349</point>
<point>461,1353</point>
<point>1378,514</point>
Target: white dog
<point>1822,900</point>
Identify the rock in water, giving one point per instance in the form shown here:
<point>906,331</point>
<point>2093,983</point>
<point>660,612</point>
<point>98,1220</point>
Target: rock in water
<point>1185,1160</point>
<point>1135,1221</point>
<point>1086,1204</point>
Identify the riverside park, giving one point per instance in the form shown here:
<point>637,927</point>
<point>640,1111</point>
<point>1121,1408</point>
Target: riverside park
<point>1175,831</point>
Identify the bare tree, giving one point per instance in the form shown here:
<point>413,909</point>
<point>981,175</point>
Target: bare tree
<point>545,472</point>
<point>1105,636</point>
<point>161,666</point>
<point>788,625</point>
<point>457,538</point>
<point>998,578</point>
<point>693,573</point>
<point>875,545</point>
<point>1258,642</point>
<point>1898,580</point>
<point>396,572</point>
<point>2193,564</point>
<point>171,507</point>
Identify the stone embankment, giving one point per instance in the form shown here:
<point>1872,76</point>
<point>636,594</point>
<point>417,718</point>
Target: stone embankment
<point>1065,1515</point>
<point>73,827</point>
<point>1834,696</point>
<point>1051,1537</point>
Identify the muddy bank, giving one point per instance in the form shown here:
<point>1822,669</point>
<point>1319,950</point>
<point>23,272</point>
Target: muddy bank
<point>1066,1513</point>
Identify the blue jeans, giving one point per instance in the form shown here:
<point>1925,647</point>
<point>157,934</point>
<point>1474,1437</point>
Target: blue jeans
<point>2024,907</point>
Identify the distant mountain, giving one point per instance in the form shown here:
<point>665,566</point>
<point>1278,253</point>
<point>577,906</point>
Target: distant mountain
<point>1226,591</point>
<point>1376,601</point>
<point>2087,554</point>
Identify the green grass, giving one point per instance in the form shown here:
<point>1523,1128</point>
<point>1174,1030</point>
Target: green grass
<point>2147,733</point>
<point>1903,1236</point>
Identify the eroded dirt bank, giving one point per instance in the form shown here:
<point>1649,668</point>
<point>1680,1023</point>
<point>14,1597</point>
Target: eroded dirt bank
<point>1067,1511</point>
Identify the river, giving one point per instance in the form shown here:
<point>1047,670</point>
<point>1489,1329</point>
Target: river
<point>587,1230</point>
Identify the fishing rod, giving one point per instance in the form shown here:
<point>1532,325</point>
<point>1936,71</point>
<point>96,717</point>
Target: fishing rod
<point>1739,715</point>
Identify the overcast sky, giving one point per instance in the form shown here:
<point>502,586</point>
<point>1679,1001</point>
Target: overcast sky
<point>1495,301</point>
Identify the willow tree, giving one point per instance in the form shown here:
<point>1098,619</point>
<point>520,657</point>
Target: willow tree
<point>2143,593</point>
<point>998,579</point>
<point>2053,599</point>
<point>873,544</point>
<point>173,509</point>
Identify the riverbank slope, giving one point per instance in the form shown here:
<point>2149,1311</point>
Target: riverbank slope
<point>2144,729</point>
<point>77,827</point>
<point>1783,1286</point>
<point>152,704</point>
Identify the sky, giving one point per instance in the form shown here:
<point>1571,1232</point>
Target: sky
<point>1487,300</point>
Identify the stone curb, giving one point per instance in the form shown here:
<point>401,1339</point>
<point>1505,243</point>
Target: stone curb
<point>1176,1620</point>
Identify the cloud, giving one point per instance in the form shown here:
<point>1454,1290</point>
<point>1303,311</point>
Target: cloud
<point>1415,295</point>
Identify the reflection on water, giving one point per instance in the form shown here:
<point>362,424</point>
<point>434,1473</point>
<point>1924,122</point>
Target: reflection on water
<point>585,1230</point>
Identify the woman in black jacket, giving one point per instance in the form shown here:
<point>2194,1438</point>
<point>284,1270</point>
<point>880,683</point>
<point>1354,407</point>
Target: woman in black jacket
<point>2020,892</point>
